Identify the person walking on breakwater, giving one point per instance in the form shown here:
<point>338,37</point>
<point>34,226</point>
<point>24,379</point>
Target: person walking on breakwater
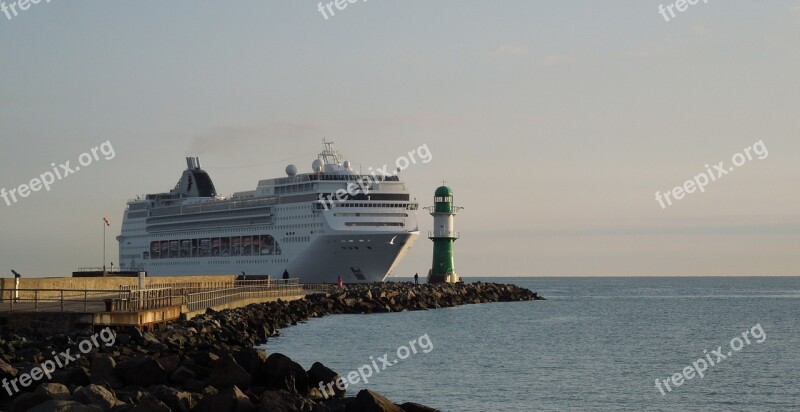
<point>340,282</point>
<point>416,278</point>
<point>285,276</point>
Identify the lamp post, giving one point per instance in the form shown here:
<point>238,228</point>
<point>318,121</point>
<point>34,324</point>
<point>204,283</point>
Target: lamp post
<point>106,224</point>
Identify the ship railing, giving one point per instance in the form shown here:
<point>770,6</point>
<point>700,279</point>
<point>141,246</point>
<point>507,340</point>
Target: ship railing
<point>215,298</point>
<point>183,287</point>
<point>444,233</point>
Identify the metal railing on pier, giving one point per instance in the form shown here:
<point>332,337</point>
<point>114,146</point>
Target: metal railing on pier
<point>243,290</point>
<point>56,300</point>
<point>319,287</point>
<point>194,295</point>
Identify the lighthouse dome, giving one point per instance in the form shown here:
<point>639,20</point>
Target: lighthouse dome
<point>443,191</point>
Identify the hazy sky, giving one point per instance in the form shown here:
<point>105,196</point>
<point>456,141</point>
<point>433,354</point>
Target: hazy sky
<point>554,121</point>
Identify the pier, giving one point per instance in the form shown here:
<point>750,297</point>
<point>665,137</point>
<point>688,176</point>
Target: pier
<point>62,304</point>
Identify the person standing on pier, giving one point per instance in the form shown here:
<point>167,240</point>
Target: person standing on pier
<point>285,276</point>
<point>340,282</point>
<point>416,278</point>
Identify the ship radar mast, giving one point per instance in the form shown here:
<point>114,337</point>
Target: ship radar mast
<point>329,161</point>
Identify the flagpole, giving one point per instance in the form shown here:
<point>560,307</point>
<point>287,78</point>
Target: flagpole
<point>104,246</point>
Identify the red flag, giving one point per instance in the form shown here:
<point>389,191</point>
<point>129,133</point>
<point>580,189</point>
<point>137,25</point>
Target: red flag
<point>106,222</point>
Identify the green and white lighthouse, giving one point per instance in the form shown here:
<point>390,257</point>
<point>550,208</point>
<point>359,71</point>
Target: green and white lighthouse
<point>443,235</point>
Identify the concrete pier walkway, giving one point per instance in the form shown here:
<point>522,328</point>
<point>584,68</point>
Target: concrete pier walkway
<point>63,305</point>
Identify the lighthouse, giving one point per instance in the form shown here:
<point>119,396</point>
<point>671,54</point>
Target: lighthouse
<point>443,236</point>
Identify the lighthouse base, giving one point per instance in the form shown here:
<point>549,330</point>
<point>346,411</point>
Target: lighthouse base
<point>447,278</point>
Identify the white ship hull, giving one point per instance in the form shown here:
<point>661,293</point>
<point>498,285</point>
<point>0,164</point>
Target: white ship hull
<point>323,260</point>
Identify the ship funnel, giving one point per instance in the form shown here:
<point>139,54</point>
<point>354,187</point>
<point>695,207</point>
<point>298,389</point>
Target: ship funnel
<point>192,163</point>
<point>195,182</point>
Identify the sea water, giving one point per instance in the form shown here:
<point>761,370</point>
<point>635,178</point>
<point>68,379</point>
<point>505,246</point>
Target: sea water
<point>595,344</point>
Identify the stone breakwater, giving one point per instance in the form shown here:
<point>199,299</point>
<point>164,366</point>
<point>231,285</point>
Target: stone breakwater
<point>209,363</point>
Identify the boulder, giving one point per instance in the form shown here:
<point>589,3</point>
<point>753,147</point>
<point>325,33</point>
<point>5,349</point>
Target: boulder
<point>7,371</point>
<point>65,406</point>
<point>231,399</point>
<point>54,391</point>
<point>176,400</point>
<point>170,362</point>
<point>228,373</point>
<point>95,395</point>
<point>151,404</point>
<point>415,407</point>
<point>251,359</point>
<point>27,401</point>
<point>182,374</point>
<point>369,401</point>
<point>320,376</point>
<point>280,372</point>
<point>73,376</point>
<point>283,400</point>
<point>102,371</point>
<point>132,394</point>
<point>141,371</point>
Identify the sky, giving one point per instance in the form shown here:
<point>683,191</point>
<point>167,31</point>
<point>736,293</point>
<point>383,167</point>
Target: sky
<point>555,122</point>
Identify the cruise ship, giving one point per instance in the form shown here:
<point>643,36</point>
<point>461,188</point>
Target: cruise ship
<point>315,226</point>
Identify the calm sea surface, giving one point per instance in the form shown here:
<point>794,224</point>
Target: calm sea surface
<point>596,344</point>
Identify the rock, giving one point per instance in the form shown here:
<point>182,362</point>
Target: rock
<point>283,400</point>
<point>54,391</point>
<point>95,395</point>
<point>415,407</point>
<point>320,376</point>
<point>170,362</point>
<point>151,404</point>
<point>132,394</point>
<point>182,374</point>
<point>339,405</point>
<point>26,401</point>
<point>205,358</point>
<point>73,376</point>
<point>231,399</point>
<point>102,371</point>
<point>123,338</point>
<point>141,371</point>
<point>65,406</point>
<point>280,372</point>
<point>194,385</point>
<point>7,371</point>
<point>228,373</point>
<point>149,339</point>
<point>251,359</point>
<point>176,400</point>
<point>369,401</point>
